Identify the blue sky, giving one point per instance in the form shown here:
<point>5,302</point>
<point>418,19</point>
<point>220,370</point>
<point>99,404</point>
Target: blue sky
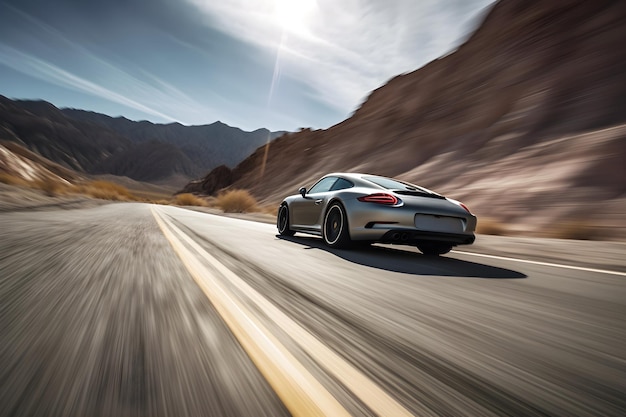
<point>278,64</point>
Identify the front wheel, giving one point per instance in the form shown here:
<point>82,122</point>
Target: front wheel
<point>282,221</point>
<point>335,228</point>
<point>434,249</point>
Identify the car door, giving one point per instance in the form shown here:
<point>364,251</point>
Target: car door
<point>306,211</point>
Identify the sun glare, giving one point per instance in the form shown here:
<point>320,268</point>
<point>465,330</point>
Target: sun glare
<point>293,15</point>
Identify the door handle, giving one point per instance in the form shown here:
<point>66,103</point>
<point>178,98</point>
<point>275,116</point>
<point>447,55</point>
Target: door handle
<point>318,202</point>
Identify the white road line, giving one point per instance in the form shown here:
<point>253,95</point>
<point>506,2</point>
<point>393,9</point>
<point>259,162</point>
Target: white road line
<point>361,386</point>
<point>577,268</point>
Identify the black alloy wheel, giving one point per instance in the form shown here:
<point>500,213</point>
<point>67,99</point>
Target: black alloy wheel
<point>282,221</point>
<point>335,228</point>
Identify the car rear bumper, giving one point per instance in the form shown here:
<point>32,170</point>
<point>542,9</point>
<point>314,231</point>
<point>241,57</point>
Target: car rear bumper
<point>414,237</point>
<point>408,236</point>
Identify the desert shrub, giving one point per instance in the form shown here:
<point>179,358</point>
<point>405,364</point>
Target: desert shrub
<point>107,190</point>
<point>574,229</point>
<point>188,199</point>
<point>10,179</point>
<point>49,186</point>
<point>161,202</point>
<point>488,226</point>
<point>236,201</point>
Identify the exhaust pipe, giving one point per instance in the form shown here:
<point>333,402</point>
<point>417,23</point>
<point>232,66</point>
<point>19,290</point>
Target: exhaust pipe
<point>404,237</point>
<point>395,236</point>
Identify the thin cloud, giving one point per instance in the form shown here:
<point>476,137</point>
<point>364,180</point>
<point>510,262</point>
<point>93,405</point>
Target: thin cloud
<point>247,63</point>
<point>115,85</point>
<point>46,71</point>
<point>346,49</point>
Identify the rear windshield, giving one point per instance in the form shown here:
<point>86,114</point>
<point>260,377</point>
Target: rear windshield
<point>392,184</point>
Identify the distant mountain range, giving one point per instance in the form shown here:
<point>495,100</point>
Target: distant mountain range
<point>526,122</point>
<point>94,143</point>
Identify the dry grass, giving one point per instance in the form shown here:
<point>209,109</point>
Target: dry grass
<point>101,189</point>
<point>271,209</point>
<point>107,190</point>
<point>9,179</point>
<point>50,186</point>
<point>574,229</point>
<point>236,201</point>
<point>161,202</point>
<point>188,199</point>
<point>488,226</point>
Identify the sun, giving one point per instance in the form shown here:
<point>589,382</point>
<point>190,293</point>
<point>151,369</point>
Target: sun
<point>294,15</point>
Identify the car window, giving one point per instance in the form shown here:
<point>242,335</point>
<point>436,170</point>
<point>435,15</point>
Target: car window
<point>392,184</point>
<point>341,184</point>
<point>323,185</point>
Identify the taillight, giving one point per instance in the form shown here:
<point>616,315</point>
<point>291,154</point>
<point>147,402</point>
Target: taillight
<point>465,207</point>
<point>379,198</point>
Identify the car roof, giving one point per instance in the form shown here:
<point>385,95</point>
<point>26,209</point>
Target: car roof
<point>364,180</point>
<point>357,178</point>
<point>347,175</point>
<point>354,175</point>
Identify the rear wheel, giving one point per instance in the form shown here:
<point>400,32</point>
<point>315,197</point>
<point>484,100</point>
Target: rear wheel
<point>282,221</point>
<point>434,248</point>
<point>335,228</point>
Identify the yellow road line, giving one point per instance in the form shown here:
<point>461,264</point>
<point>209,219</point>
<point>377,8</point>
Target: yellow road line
<point>361,386</point>
<point>301,393</point>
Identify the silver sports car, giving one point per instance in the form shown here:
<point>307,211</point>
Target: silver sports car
<point>360,208</point>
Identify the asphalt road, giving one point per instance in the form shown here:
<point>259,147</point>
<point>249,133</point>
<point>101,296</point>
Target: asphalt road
<point>139,310</point>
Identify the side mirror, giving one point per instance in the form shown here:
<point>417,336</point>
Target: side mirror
<point>302,191</point>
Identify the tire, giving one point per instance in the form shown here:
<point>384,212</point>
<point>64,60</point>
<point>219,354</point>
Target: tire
<point>335,228</point>
<point>282,221</point>
<point>434,249</point>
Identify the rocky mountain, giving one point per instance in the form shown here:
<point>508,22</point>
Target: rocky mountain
<point>43,129</point>
<point>93,143</point>
<point>526,122</point>
<point>18,162</point>
<point>207,146</point>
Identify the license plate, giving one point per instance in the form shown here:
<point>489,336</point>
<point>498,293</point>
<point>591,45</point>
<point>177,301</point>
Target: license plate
<point>443,224</point>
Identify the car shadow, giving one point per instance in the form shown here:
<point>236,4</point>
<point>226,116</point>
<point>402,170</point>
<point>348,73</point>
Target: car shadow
<point>407,262</point>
